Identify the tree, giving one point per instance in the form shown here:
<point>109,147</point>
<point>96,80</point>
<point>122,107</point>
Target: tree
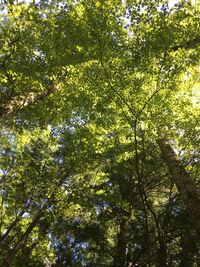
<point>84,87</point>
<point>189,193</point>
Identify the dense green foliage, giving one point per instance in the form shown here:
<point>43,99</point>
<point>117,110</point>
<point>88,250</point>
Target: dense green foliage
<point>85,89</point>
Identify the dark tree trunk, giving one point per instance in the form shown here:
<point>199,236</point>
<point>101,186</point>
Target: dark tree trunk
<point>188,190</point>
<point>17,103</point>
<point>21,242</point>
<point>11,226</point>
<point>14,223</point>
<point>120,253</point>
<point>162,252</point>
<point>189,249</point>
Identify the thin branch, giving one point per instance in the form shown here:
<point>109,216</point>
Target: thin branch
<point>188,45</point>
<point>109,81</point>
<point>147,102</point>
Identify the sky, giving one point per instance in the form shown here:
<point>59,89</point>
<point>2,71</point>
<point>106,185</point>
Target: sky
<point>172,3</point>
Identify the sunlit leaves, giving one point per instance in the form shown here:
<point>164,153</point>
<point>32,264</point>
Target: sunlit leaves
<point>83,92</point>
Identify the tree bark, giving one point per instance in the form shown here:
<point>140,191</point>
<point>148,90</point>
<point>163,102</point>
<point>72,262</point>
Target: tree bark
<point>21,242</point>
<point>120,253</point>
<point>14,223</point>
<point>15,104</point>
<point>11,226</point>
<point>191,44</point>
<point>187,188</point>
<point>162,252</point>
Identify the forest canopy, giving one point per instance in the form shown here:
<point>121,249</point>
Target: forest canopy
<point>99,133</point>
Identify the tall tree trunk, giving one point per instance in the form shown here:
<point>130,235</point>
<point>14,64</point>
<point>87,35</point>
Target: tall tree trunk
<point>21,242</point>
<point>11,226</point>
<point>162,252</point>
<point>188,190</point>
<point>189,249</point>
<point>120,252</point>
<point>17,103</point>
<point>14,103</point>
<point>14,223</point>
